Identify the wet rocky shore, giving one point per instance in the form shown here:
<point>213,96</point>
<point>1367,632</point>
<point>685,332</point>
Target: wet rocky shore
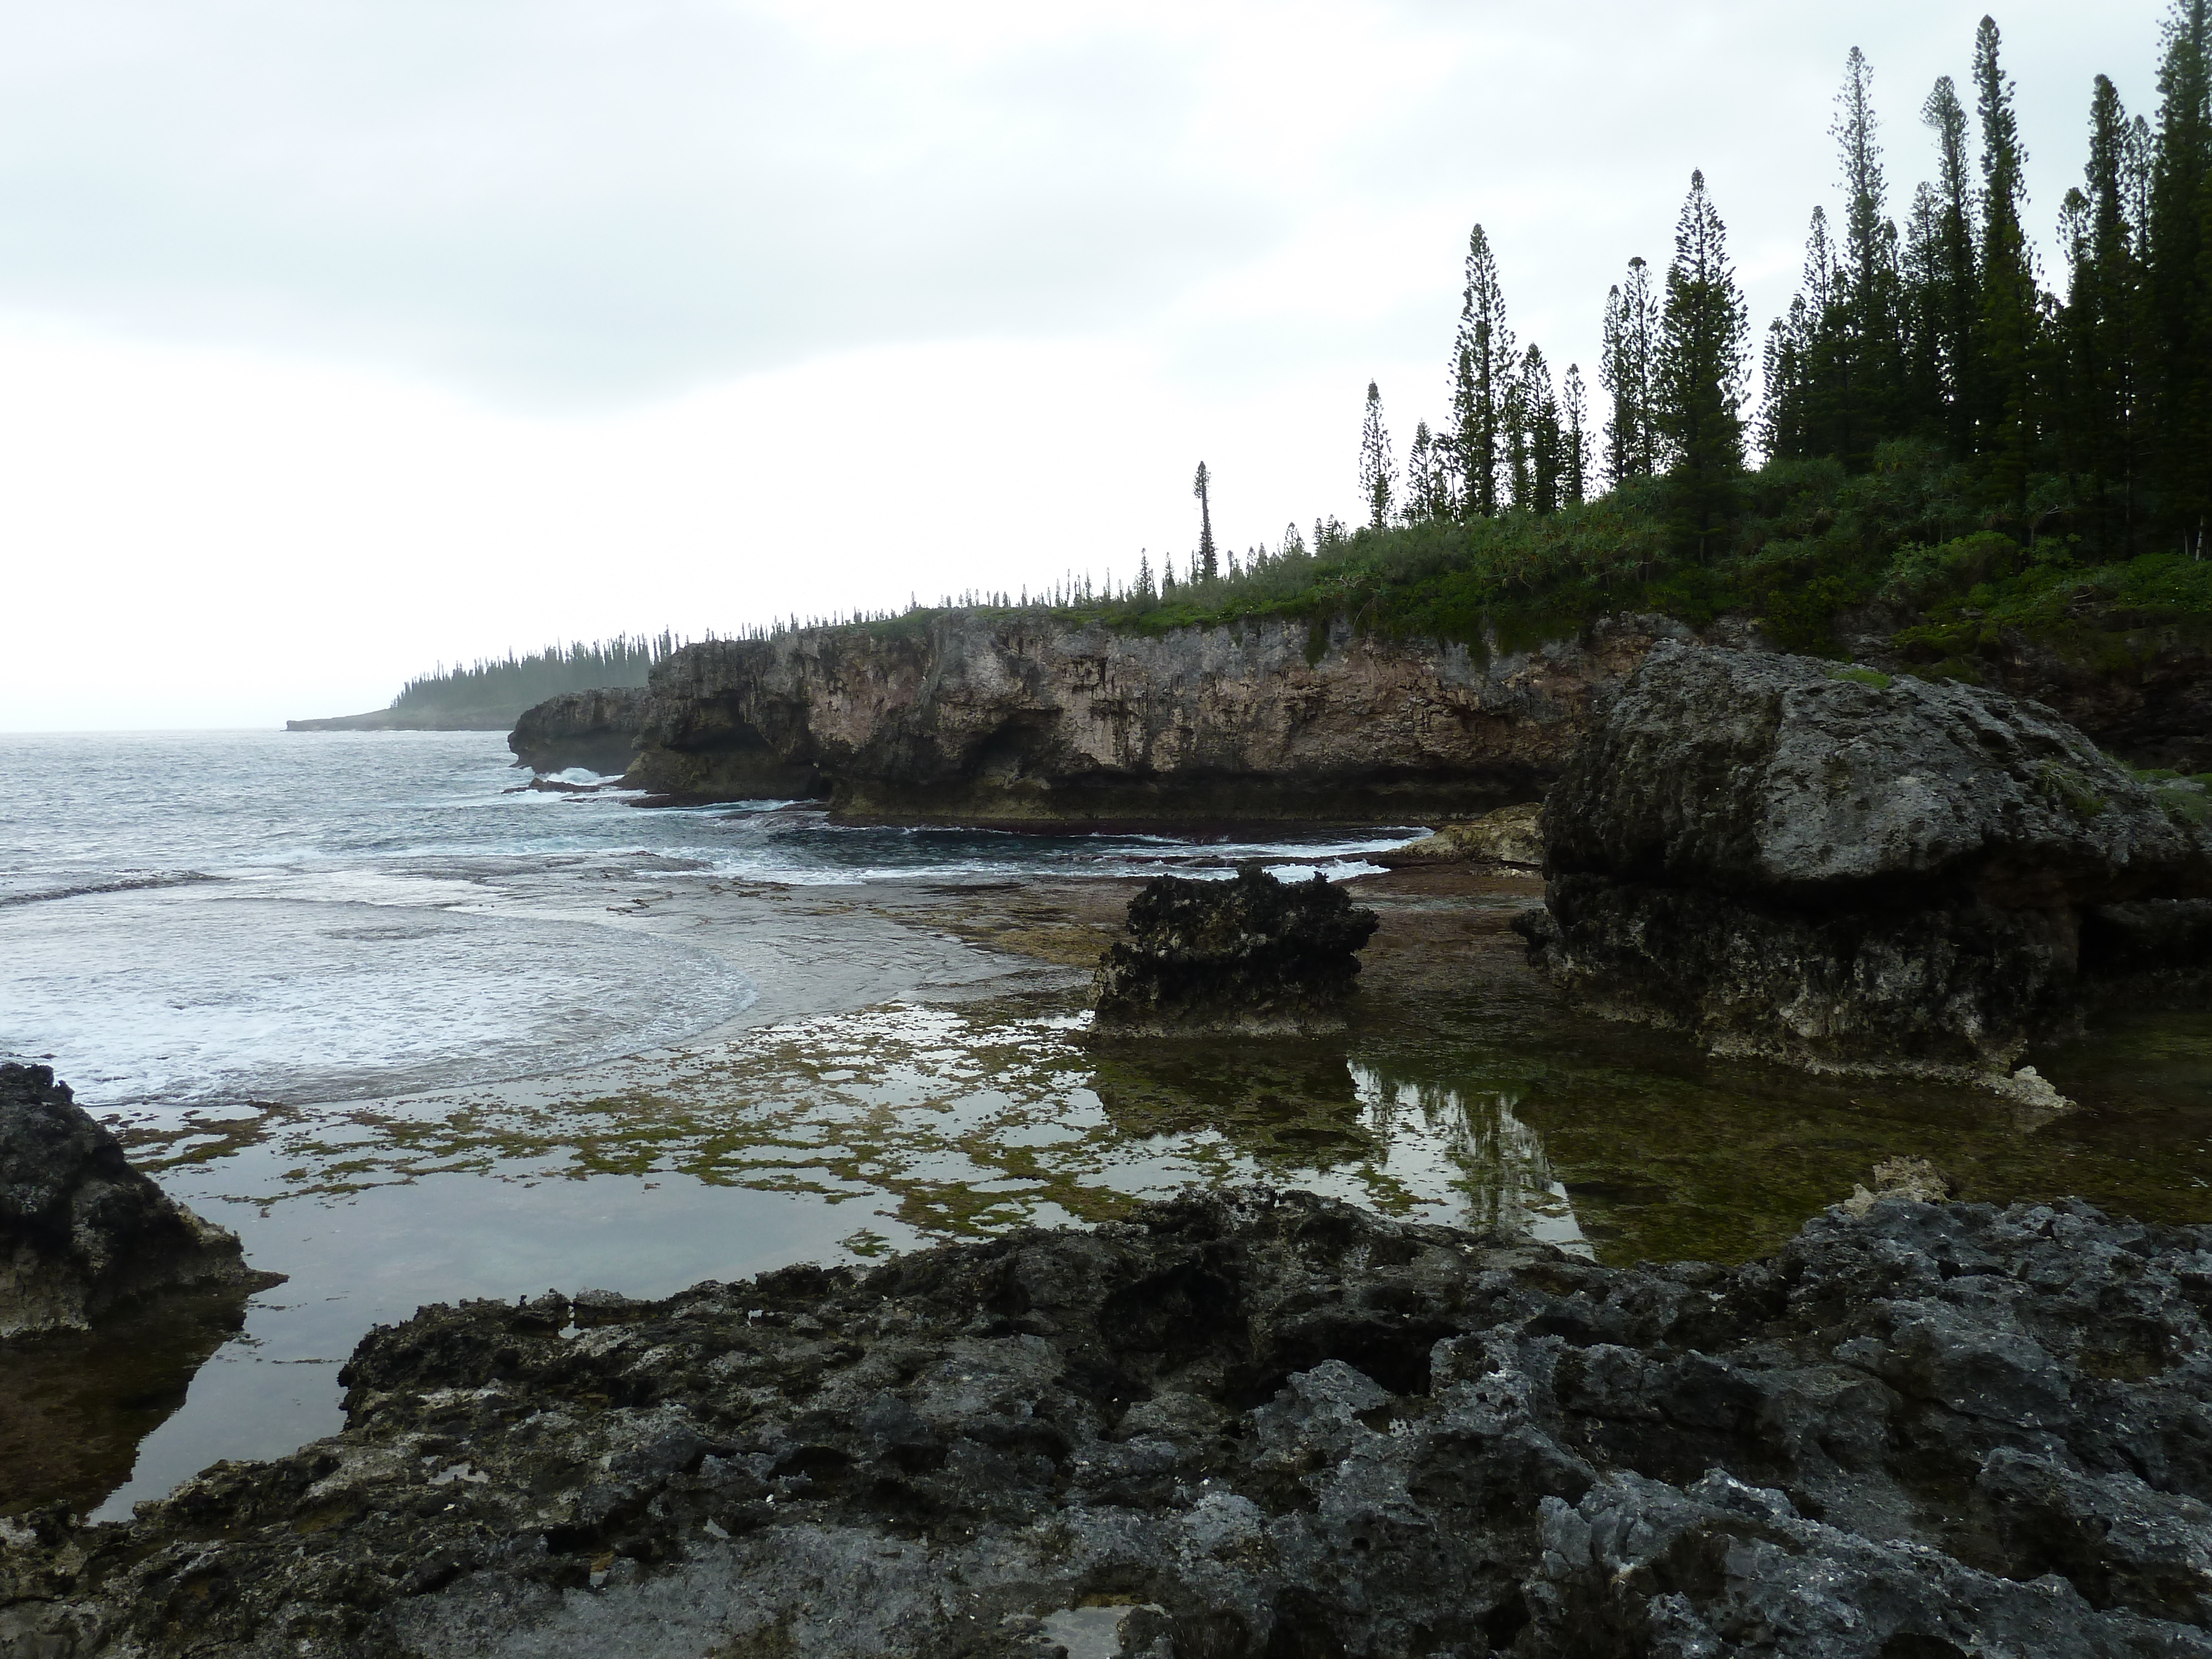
<point>1244,1423</point>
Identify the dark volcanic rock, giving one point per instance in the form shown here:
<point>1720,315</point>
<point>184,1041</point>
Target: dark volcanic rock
<point>1265,1425</point>
<point>80,1229</point>
<point>1251,954</point>
<point>1792,859</point>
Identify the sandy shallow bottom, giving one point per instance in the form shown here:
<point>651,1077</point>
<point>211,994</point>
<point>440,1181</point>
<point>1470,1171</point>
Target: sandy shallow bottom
<point>917,1065</point>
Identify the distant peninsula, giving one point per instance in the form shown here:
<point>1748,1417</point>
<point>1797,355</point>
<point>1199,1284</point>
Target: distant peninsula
<point>491,694</point>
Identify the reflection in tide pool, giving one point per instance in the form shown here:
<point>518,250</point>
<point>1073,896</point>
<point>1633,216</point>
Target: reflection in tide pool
<point>828,1139</point>
<point>1477,1150</point>
<point>840,1137</point>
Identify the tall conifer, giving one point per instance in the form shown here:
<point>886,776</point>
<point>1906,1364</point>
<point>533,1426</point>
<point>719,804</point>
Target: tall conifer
<point>1858,361</point>
<point>1954,302</point>
<point>1538,468</point>
<point>1378,472</point>
<point>2103,325</point>
<point>2180,235</point>
<point>1206,563</point>
<point>1703,350</point>
<point>1483,360</point>
<point>1428,480</point>
<point>1624,369</point>
<point>2005,342</point>
<point>1574,438</point>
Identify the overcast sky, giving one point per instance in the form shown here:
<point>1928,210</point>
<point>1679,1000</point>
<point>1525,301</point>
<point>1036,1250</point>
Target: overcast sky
<point>341,336</point>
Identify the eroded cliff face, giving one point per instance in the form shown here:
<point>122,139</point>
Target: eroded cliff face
<point>1021,719</point>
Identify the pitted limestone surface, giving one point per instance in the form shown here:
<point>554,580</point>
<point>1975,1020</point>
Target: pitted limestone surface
<point>1243,1424</point>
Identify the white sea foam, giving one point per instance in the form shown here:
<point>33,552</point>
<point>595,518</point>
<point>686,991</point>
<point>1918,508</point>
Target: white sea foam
<point>319,916</point>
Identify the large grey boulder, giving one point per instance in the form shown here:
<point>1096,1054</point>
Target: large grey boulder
<point>1823,864</point>
<point>80,1229</point>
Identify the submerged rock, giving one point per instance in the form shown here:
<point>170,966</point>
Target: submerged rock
<point>1237,1425</point>
<point>80,1229</point>
<point>1253,954</point>
<point>1828,866</point>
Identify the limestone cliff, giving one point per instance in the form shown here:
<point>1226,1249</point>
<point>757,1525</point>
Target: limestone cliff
<point>1021,718</point>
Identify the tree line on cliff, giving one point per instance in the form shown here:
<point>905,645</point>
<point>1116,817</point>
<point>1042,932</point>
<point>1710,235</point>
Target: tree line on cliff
<point>1937,428</point>
<point>517,683</point>
<point>1938,432</point>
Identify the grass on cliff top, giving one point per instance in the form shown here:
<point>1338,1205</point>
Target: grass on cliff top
<point>1909,546</point>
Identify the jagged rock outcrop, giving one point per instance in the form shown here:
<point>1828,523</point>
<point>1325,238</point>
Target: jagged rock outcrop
<point>1018,717</point>
<point>80,1229</point>
<point>1237,1427</point>
<point>1253,954</point>
<point>1793,859</point>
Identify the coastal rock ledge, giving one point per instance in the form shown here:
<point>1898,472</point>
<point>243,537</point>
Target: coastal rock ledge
<point>1239,1425</point>
<point>1795,859</point>
<point>1020,718</point>
<point>80,1229</point>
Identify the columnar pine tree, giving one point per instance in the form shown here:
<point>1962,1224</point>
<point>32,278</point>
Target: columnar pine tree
<point>1428,479</point>
<point>1520,483</point>
<point>1574,438</point>
<point>1863,370</point>
<point>1921,374</point>
<point>1624,369</point>
<point>1537,463</point>
<point>2004,340</point>
<point>2180,297</point>
<point>2103,325</point>
<point>1703,350</point>
<point>1378,472</point>
<point>1952,303</point>
<point>1483,361</point>
<point>1206,564</point>
<point>1791,423</point>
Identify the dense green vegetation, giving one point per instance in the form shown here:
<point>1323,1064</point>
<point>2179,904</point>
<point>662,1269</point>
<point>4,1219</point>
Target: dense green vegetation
<point>1942,437</point>
<point>516,683</point>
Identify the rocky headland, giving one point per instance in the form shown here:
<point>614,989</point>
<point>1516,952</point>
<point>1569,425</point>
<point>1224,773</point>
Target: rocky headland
<point>1035,717</point>
<point>81,1230</point>
<point>1820,864</point>
<point>1237,1425</point>
<point>1022,718</point>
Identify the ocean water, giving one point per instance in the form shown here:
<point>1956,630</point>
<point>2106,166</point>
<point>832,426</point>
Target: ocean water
<point>190,918</point>
<point>418,1033</point>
